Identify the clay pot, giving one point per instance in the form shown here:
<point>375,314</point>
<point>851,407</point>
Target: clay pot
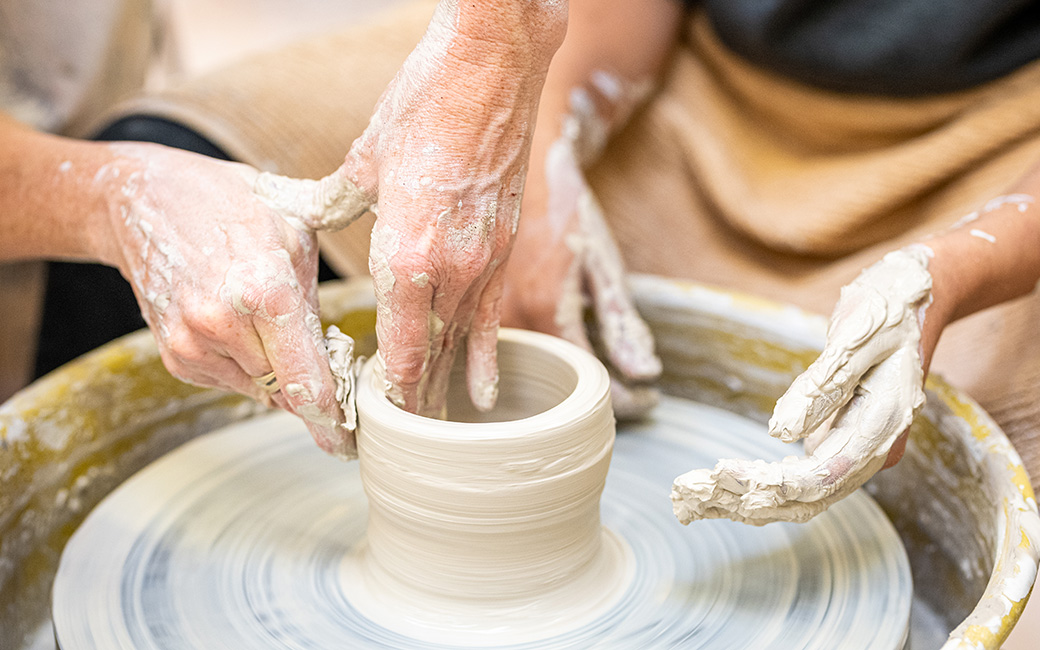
<point>491,515</point>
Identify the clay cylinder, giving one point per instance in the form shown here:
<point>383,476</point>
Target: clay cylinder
<point>491,509</point>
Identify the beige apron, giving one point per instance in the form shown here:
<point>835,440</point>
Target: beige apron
<point>761,184</point>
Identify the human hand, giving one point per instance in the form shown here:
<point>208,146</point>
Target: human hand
<point>869,378</point>
<point>226,280</point>
<point>444,159</point>
<point>565,258</point>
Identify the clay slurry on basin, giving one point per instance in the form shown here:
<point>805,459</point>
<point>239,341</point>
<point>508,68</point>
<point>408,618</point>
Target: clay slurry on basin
<point>251,537</point>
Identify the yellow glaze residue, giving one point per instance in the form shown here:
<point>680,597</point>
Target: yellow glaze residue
<point>759,403</point>
<point>65,408</point>
<point>1020,478</point>
<point>961,408</point>
<point>983,637</point>
<point>739,346</point>
<point>113,411</point>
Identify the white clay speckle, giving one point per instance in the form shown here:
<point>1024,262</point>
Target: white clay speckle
<point>242,276</point>
<point>982,234</point>
<point>1020,201</point>
<point>609,85</point>
<point>385,243</point>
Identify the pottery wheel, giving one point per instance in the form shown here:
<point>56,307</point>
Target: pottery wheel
<point>238,540</point>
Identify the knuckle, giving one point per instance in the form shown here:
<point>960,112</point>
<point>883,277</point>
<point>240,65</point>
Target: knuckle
<point>309,390</point>
<point>182,346</point>
<point>208,317</point>
<point>406,265</point>
<point>325,395</point>
<point>312,400</point>
<point>461,265</point>
<point>474,261</point>
<point>248,299</point>
<point>264,287</point>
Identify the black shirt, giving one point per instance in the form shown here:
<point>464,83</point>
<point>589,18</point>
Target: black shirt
<point>887,47</point>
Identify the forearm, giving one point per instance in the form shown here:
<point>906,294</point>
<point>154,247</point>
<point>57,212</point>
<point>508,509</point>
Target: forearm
<point>54,194</point>
<point>492,49</point>
<point>534,27</point>
<point>472,83</point>
<point>609,61</point>
<point>991,256</point>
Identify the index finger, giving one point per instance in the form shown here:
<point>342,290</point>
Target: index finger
<point>295,346</point>
<point>404,306</point>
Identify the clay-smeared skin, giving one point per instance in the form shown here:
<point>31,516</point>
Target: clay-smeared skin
<point>442,163</point>
<point>445,156</point>
<point>869,377</point>
<point>870,373</point>
<point>226,282</point>
<point>572,237</point>
<point>596,273</point>
<point>565,256</point>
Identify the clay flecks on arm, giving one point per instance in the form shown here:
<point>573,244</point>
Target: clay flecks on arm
<point>226,281</point>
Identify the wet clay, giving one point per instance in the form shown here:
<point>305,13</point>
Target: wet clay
<point>252,537</point>
<point>490,521</point>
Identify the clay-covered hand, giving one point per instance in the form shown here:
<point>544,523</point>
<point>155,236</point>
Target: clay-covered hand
<point>444,159</point>
<point>869,378</point>
<point>226,281</point>
<point>565,259</point>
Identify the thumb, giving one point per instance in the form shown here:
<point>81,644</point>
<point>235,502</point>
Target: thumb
<point>897,450</point>
<point>330,203</point>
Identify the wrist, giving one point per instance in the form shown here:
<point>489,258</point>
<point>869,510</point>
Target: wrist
<point>948,286</point>
<point>115,185</point>
<point>55,195</point>
<point>943,303</point>
<point>535,25</point>
<point>522,34</point>
<point>587,108</point>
